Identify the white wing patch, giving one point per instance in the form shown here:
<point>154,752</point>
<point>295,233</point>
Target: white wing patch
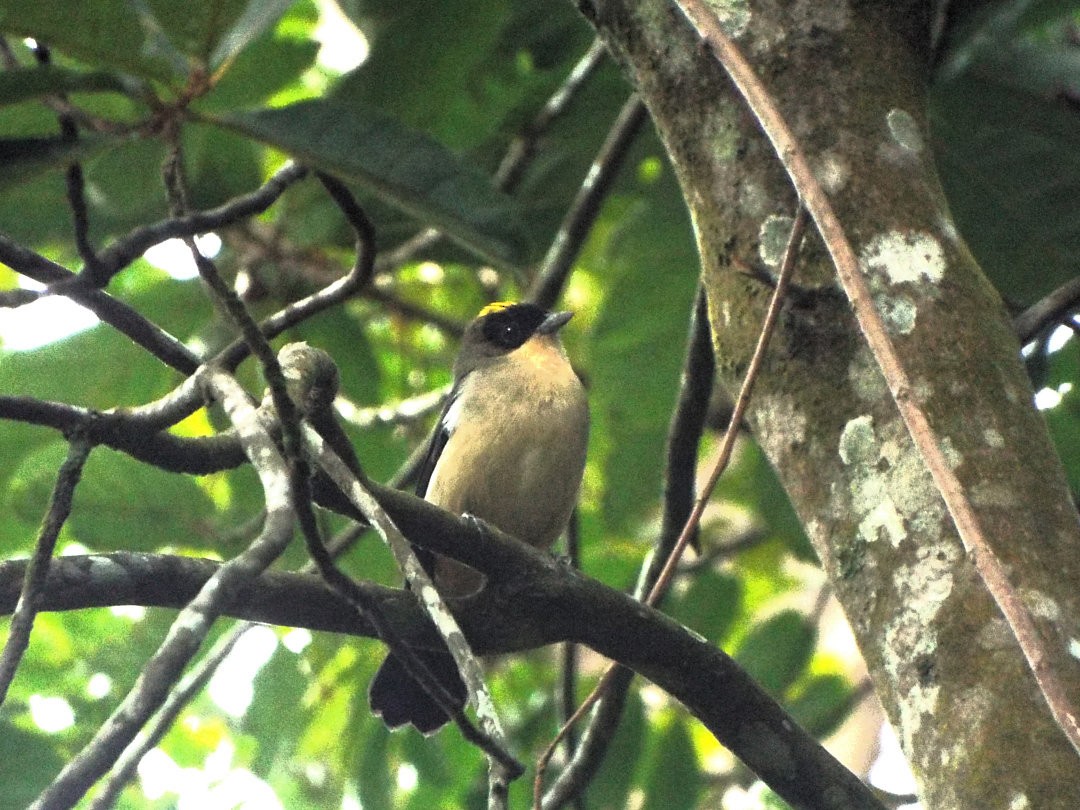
<point>453,415</point>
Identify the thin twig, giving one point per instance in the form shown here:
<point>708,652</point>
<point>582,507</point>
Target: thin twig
<point>358,277</point>
<point>37,571</point>
<point>522,150</point>
<point>179,696</point>
<point>580,217</point>
<point>121,253</point>
<point>727,445</point>
<point>117,314</point>
<point>968,525</point>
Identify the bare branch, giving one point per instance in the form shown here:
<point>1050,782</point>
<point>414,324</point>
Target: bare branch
<point>37,571</point>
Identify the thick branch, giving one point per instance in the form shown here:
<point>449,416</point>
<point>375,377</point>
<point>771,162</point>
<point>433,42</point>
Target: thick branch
<point>533,600</point>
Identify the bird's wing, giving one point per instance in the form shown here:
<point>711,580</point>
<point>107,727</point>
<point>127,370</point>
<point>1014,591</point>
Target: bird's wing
<point>439,437</point>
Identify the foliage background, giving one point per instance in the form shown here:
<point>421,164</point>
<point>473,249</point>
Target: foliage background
<point>470,75</point>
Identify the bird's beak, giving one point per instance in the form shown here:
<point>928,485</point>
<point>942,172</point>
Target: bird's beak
<point>553,323</point>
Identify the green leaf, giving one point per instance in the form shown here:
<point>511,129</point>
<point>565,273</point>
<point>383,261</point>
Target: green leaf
<point>673,779</point>
<point>258,17</point>
<point>112,33</point>
<point>397,164</point>
<point>267,65</point>
<point>1010,166</point>
<point>776,652</point>
<point>21,84</point>
<point>120,503</point>
<point>635,371</point>
<point>710,605</point>
<point>822,705</point>
<point>28,762</point>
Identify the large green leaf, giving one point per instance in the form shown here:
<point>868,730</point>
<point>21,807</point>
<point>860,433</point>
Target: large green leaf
<point>673,779</point>
<point>1007,138</point>
<point>822,704</point>
<point>637,347</point>
<point>111,33</point>
<point>1010,165</point>
<point>776,652</point>
<point>398,164</point>
<point>710,605</point>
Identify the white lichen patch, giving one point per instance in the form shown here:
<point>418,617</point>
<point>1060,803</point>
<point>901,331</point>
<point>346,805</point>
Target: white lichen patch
<point>857,441</point>
<point>898,312</point>
<point>953,457</point>
<point>1074,647</point>
<point>779,416</point>
<point>832,171</point>
<point>773,237</point>
<point>904,130</point>
<point>752,199</point>
<point>1041,605</point>
<point>733,16</point>
<point>888,485</point>
<point>922,588</point>
<point>104,569</point>
<point>1019,801</point>
<point>722,133</point>
<point>865,378</point>
<point>993,438</point>
<point>904,256</point>
<point>885,520</point>
<point>996,635</point>
<point>994,494</point>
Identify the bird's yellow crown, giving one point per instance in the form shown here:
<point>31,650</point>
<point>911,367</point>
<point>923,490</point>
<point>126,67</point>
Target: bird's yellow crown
<point>496,306</point>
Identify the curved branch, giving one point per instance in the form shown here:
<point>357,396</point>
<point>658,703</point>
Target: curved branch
<point>533,600</point>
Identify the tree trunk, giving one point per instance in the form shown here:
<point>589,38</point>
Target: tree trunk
<point>850,79</point>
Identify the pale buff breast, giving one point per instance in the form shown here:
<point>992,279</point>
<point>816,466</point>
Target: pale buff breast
<point>521,472</point>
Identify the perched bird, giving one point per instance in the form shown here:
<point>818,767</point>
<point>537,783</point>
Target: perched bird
<point>509,448</point>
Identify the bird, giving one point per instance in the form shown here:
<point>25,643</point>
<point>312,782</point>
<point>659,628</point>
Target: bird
<point>509,448</point>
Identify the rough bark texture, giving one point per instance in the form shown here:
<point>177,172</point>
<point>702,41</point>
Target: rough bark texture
<point>849,77</point>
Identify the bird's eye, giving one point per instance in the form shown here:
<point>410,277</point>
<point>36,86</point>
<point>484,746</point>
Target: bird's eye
<point>505,332</point>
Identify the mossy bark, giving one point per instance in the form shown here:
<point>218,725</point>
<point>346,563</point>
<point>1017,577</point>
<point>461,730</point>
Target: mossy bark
<point>850,79</point>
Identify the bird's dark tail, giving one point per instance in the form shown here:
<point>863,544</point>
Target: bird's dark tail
<point>399,699</point>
